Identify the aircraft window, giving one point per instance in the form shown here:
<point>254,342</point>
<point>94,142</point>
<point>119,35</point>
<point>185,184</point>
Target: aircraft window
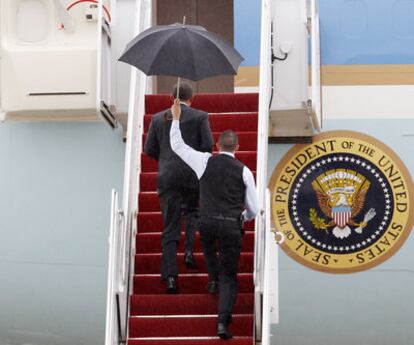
<point>32,21</point>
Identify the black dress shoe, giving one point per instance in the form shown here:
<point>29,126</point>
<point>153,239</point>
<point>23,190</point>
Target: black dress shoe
<point>189,261</point>
<point>212,287</point>
<point>223,332</point>
<point>172,285</point>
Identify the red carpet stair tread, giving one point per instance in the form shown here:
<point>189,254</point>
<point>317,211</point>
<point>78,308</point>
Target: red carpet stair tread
<point>190,318</point>
<point>192,341</point>
<point>184,326</point>
<point>247,140</point>
<point>211,103</point>
<point>190,283</point>
<point>150,242</point>
<point>221,122</point>
<point>181,304</point>
<point>150,263</point>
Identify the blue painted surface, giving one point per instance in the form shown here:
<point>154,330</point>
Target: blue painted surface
<point>352,31</point>
<point>55,194</point>
<point>374,307</point>
<point>367,31</point>
<point>247,30</point>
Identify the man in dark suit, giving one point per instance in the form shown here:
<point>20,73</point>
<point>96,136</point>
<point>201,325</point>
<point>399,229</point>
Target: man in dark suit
<point>177,184</point>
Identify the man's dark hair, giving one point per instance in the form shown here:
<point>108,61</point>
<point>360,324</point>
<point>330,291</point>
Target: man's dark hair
<point>186,91</point>
<point>228,141</point>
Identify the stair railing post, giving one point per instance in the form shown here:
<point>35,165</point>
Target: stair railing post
<point>134,149</point>
<point>262,149</point>
<point>111,321</point>
<point>271,278</point>
<point>124,222</point>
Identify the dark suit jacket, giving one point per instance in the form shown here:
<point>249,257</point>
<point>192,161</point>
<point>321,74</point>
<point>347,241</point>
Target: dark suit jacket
<point>195,129</point>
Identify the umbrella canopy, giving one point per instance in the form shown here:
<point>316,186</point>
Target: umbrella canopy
<point>187,51</point>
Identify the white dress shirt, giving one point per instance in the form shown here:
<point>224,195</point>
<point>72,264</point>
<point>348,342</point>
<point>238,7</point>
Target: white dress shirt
<point>198,162</point>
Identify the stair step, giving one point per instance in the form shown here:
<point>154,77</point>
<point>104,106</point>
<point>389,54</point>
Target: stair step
<point>247,140</point>
<point>148,181</point>
<point>186,326</point>
<point>248,158</point>
<point>191,341</point>
<point>211,103</point>
<point>189,304</point>
<point>193,283</point>
<point>151,263</point>
<point>150,242</point>
<point>149,202</point>
<point>237,122</point>
<point>220,122</point>
<point>152,222</point>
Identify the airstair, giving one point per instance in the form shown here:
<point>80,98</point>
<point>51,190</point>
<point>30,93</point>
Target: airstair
<point>138,310</point>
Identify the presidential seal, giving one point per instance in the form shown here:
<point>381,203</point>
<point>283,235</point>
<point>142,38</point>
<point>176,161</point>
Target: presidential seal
<point>344,203</point>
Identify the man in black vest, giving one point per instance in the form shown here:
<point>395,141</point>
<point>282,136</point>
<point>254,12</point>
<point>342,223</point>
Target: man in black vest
<point>227,198</point>
<point>177,184</point>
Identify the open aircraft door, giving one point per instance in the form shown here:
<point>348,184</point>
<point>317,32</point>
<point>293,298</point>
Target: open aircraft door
<point>315,55</point>
<point>56,60</point>
<point>295,107</point>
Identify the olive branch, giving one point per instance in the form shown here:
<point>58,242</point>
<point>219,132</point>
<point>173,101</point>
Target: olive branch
<point>318,223</point>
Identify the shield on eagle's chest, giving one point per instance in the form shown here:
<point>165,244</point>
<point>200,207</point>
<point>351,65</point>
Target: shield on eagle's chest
<point>341,215</point>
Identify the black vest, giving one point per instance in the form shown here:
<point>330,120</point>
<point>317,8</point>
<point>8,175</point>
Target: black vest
<point>222,188</point>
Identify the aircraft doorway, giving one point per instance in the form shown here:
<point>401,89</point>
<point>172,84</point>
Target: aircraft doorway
<point>214,15</point>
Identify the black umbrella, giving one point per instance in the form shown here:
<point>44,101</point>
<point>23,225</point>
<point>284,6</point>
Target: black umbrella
<point>187,51</point>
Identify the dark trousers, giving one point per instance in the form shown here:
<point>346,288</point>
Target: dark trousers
<point>175,202</point>
<point>225,236</point>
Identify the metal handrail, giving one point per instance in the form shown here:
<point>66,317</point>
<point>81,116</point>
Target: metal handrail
<point>136,112</point>
<point>124,255</point>
<point>316,113</point>
<point>113,331</point>
<point>122,238</point>
<point>268,239</point>
<point>261,174</point>
<point>271,278</point>
<point>265,336</point>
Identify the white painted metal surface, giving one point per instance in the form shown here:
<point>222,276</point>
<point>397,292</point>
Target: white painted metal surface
<point>271,278</point>
<point>290,76</point>
<point>124,31</point>
<point>125,248</point>
<point>296,48</point>
<point>368,102</point>
<point>262,145</point>
<point>55,63</point>
<point>316,87</point>
<point>115,281</point>
<point>136,112</point>
<point>105,101</point>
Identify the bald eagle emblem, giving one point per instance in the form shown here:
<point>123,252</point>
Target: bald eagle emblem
<point>341,197</point>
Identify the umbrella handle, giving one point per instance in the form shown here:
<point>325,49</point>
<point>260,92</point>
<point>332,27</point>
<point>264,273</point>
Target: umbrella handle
<point>178,87</point>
